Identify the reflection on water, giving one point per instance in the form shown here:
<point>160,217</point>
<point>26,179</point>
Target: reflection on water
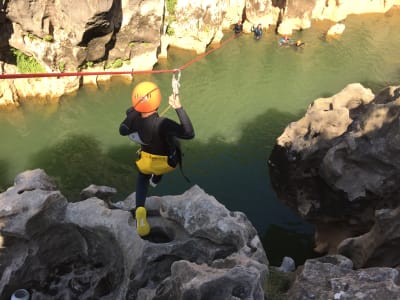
<point>240,99</point>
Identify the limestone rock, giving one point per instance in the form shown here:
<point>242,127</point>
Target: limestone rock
<point>102,192</point>
<point>8,94</point>
<point>64,36</point>
<point>338,167</point>
<point>336,29</point>
<point>376,246</point>
<point>332,277</point>
<point>61,250</point>
<point>194,24</point>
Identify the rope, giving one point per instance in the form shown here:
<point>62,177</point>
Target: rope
<point>206,53</point>
<point>64,74</point>
<point>175,89</point>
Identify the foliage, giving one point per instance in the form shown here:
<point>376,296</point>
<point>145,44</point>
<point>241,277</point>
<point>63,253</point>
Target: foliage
<point>170,30</point>
<point>171,4</point>
<point>31,36</point>
<point>48,38</point>
<point>277,284</point>
<point>118,63</point>
<point>61,66</point>
<point>27,64</point>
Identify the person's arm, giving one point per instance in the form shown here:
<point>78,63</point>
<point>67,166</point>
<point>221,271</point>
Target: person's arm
<point>126,127</point>
<point>185,129</point>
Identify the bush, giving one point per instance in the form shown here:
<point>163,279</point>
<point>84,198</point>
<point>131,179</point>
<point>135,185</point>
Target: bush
<point>48,38</point>
<point>171,6</point>
<point>61,66</point>
<point>170,30</point>
<point>27,64</point>
<point>117,63</point>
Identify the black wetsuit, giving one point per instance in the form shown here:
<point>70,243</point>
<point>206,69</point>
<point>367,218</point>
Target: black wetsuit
<point>157,133</point>
<point>238,28</point>
<point>159,136</point>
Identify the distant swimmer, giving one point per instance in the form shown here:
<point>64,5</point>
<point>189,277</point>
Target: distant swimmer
<point>258,31</point>
<point>238,27</point>
<point>299,43</point>
<point>284,41</point>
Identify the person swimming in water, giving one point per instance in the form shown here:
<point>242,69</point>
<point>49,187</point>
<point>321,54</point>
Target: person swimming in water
<point>299,43</point>
<point>258,31</point>
<point>238,27</point>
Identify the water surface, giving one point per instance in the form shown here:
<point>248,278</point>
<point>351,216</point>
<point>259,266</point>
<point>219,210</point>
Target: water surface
<point>240,99</point>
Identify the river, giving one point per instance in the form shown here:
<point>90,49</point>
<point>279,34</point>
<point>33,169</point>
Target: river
<point>240,98</point>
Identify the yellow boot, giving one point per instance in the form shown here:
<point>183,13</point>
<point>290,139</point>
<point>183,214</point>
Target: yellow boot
<point>142,227</point>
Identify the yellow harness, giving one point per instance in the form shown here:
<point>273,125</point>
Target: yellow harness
<point>153,164</point>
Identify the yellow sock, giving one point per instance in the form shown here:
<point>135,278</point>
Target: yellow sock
<point>142,227</point>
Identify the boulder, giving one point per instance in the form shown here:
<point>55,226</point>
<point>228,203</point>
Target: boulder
<point>197,249</point>
<point>333,277</point>
<point>336,29</point>
<point>338,168</point>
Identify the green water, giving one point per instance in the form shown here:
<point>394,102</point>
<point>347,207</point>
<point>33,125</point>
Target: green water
<point>240,99</point>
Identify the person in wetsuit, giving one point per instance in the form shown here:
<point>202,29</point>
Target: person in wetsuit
<point>238,27</point>
<point>257,31</point>
<point>160,151</point>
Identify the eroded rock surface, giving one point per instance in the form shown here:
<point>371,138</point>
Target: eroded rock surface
<point>197,249</point>
<point>339,168</point>
<point>333,277</point>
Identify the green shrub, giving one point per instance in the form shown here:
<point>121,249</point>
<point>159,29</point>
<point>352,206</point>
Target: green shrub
<point>170,30</point>
<point>27,64</point>
<point>171,6</point>
<point>48,38</point>
<point>61,66</point>
<point>117,63</point>
<point>31,36</point>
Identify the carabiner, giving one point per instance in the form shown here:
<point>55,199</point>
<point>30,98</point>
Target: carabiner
<point>175,82</point>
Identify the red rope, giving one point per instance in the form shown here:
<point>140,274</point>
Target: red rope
<point>64,74</point>
<point>206,53</point>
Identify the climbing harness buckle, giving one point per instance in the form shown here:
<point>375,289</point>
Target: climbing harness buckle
<point>175,82</point>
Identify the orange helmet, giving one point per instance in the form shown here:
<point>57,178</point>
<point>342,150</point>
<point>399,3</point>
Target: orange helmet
<point>146,97</point>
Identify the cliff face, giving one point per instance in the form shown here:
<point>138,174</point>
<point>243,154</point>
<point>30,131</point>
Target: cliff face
<point>89,249</point>
<point>131,35</point>
<point>338,167</point>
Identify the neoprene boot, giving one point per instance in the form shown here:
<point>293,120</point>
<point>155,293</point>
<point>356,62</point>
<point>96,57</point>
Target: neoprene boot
<point>142,226</point>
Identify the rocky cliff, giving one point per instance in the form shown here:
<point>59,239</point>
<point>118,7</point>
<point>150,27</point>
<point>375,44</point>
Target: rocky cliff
<point>197,249</point>
<point>339,168</point>
<point>131,35</point>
